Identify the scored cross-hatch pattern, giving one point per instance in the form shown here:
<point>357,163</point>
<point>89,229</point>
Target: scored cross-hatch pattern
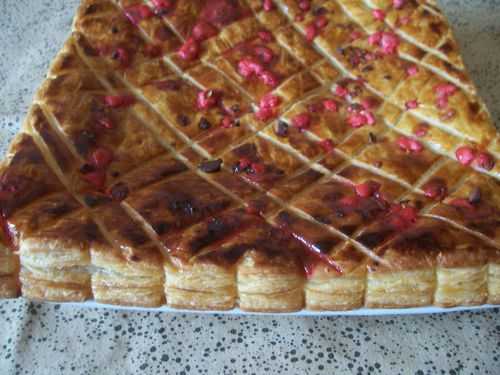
<point>266,155</point>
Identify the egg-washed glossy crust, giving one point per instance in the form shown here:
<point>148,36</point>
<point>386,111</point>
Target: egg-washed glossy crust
<point>267,155</point>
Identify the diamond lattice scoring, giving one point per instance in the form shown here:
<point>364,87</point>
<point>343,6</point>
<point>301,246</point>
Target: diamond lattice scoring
<point>271,155</point>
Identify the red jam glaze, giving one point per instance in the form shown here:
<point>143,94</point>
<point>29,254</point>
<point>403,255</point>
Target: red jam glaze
<point>315,242</point>
<point>401,217</point>
<point>9,235</point>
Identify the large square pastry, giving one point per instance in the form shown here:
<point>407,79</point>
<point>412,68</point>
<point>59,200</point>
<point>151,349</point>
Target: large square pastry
<point>267,155</point>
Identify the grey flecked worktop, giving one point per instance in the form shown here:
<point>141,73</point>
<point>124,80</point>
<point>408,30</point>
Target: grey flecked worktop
<point>54,339</point>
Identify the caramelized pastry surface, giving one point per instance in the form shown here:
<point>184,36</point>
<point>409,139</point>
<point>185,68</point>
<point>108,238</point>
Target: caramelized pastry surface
<point>267,155</point>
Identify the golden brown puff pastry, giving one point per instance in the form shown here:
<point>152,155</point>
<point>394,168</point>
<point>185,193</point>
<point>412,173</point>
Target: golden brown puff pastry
<point>266,155</point>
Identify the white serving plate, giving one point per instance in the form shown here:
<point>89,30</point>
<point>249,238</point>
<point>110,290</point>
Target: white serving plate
<point>238,312</point>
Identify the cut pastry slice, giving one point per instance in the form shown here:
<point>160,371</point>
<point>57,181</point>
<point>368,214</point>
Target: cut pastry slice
<point>55,260</point>
<point>264,155</point>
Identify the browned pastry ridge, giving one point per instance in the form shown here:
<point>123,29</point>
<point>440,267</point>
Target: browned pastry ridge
<point>267,155</point>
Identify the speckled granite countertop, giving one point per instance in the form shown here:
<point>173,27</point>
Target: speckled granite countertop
<point>53,339</point>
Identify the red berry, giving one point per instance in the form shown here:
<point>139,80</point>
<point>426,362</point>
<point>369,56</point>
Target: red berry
<point>311,32</point>
<point>403,20</point>
<point>485,161</point>
<point>189,50</point>
<point>341,91</point>
<point>121,55</point>
<point>409,145</point>
<point>244,163</point>
<point>203,30</point>
<point>315,107</point>
<point>258,168</point>
<point>137,13</point>
<point>163,5</point>
<point>227,122</point>
<point>269,101</point>
<point>265,114</point>
<point>389,43</point>
<point>442,102</point>
<point>97,179</point>
<point>118,101</point>
<point>421,130</point>
<point>435,189</point>
<point>269,78</point>
<point>101,158</point>
<point>327,145</point>
<point>411,104</point>
<point>375,38</point>
<point>402,217</point>
<point>398,4</point>
<point>363,190</point>
<point>355,35</point>
<point>265,35</point>
<point>320,22</point>
<point>304,5</point>
<point>301,121</point>
<point>356,120</point>
<point>412,70</point>
<point>465,155</point>
<point>370,117</point>
<point>330,105</point>
<point>264,54</point>
<point>445,89</point>
<point>378,14</point>
<point>105,123</point>
<point>268,5</point>
<point>462,203</point>
<point>370,103</point>
<point>248,67</point>
<point>207,99</point>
